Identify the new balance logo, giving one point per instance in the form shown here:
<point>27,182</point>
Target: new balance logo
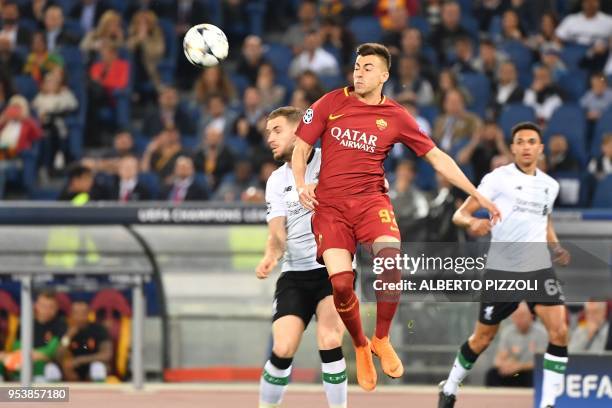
<point>518,188</point>
<point>288,188</point>
<point>488,312</point>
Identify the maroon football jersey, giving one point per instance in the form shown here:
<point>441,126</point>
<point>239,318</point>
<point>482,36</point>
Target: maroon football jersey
<point>355,140</point>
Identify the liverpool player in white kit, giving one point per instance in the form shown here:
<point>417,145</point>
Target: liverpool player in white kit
<point>525,197</point>
<point>303,289</point>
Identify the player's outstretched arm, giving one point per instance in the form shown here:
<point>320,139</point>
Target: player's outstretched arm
<point>275,247</point>
<point>299,160</point>
<point>561,255</point>
<point>464,218</point>
<point>446,166</point>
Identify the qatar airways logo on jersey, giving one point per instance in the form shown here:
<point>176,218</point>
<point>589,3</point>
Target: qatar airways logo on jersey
<point>354,139</point>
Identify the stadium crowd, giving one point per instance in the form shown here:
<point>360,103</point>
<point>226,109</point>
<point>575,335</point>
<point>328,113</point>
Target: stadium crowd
<point>98,92</point>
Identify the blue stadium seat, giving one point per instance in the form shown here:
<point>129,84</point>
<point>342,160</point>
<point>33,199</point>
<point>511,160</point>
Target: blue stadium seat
<point>603,194</point>
<point>571,54</point>
<point>574,83</point>
<point>471,25</point>
<point>495,27</point>
<point>569,120</point>
<point>479,87</point>
<point>190,142</point>
<point>513,114</point>
<point>330,82</point>
<point>74,28</point>
<point>430,113</point>
<point>421,24</point>
<point>426,175</point>
<point>256,10</point>
<point>240,82</point>
<point>604,125</point>
<point>26,86</point>
<point>522,57</point>
<point>366,29</point>
<point>280,57</point>
<point>151,181</point>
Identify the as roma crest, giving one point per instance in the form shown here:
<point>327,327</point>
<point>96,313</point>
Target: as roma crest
<point>381,124</point>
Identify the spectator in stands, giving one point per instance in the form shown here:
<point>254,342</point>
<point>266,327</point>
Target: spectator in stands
<point>53,103</point>
<point>411,203</point>
<point>126,186</point>
<point>489,60</point>
<point>123,146</point>
<point>598,99</point>
<point>465,62</point>
<point>588,27</point>
<point>444,201</point>
<point>592,334</point>
<point>108,31</point>
<point>545,36</point>
<point>486,10</point>
<point>412,46</point>
<point>331,8</point>
<point>40,61</point>
<point>10,61</point>
<point>251,58</point>
<point>247,124</point>
<point>55,33</point>
<point>551,58</point>
<point>18,130</point>
<point>300,99</point>
<point>167,114</point>
<point>310,82</point>
<point>444,36</point>
<point>336,35</point>
<point>508,90</point>
<point>6,88</point>
<point>272,94</point>
<point>35,10</point>
<point>87,349</point>
<point>106,77</point>
<point>231,189</point>
<point>256,193</point>
<point>456,124</point>
<point>88,13</point>
<point>49,327</point>
<point>543,95</point>
<point>216,115</point>
<point>559,155</point>
<point>314,58</point>
<point>447,81</point>
<point>146,42</point>
<point>183,186</point>
<point>482,148</point>
<point>511,27</point>
<point>396,21</point>
<point>160,8</point>
<point>411,85</point>
<point>11,31</point>
<point>80,187</point>
<point>295,36</point>
<point>601,166</point>
<point>391,14</point>
<point>518,344</point>
<point>214,81</point>
<point>213,158</point>
<point>161,154</point>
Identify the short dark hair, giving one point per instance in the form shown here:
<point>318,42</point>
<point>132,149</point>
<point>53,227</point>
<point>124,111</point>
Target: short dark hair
<point>78,170</point>
<point>375,49</point>
<point>526,126</point>
<point>291,113</point>
<point>48,293</point>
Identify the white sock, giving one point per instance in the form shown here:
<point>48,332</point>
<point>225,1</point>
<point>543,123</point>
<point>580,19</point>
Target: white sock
<point>335,383</point>
<point>272,385</point>
<point>460,370</point>
<point>554,373</point>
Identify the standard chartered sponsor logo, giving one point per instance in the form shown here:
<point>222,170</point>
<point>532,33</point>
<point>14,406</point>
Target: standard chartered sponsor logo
<point>354,139</point>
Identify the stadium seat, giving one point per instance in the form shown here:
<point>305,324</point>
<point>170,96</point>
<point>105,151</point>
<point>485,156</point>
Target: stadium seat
<point>603,197</point>
<point>151,181</point>
<point>426,179</point>
<point>240,82</point>
<point>604,125</point>
<point>280,57</point>
<point>522,57</point>
<point>330,82</point>
<point>190,142</point>
<point>569,120</point>
<point>421,24</point>
<point>430,113</point>
<point>26,86</point>
<point>571,54</point>
<point>574,84</point>
<point>112,310</point>
<point>479,87</point>
<point>366,29</point>
<point>9,321</point>
<point>513,114</point>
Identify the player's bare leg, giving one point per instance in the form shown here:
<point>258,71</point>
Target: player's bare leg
<point>554,318</point>
<point>286,335</point>
<point>330,330</point>
<point>386,306</point>
<point>339,265</point>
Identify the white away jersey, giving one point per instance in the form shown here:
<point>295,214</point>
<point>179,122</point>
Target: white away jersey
<point>525,203</point>
<point>282,200</point>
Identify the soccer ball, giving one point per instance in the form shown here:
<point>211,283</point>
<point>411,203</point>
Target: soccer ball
<point>205,45</point>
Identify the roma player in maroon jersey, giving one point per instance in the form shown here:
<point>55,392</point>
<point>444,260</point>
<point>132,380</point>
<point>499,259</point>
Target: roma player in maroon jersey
<point>358,127</point>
